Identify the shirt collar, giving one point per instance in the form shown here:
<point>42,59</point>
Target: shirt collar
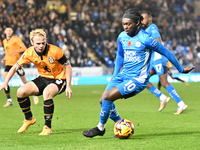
<point>44,52</point>
<point>9,38</point>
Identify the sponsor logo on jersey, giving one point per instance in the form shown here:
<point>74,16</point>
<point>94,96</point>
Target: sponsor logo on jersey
<point>131,56</point>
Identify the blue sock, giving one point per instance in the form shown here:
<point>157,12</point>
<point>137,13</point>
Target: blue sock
<point>155,91</point>
<point>105,110</point>
<point>114,114</point>
<point>172,92</point>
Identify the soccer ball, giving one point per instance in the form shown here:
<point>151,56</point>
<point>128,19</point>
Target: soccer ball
<point>123,129</point>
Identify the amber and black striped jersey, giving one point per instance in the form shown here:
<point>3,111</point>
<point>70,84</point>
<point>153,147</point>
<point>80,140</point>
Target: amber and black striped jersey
<point>50,64</point>
<point>13,47</point>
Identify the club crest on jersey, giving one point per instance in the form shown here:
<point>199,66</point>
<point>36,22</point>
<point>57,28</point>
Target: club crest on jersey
<point>51,60</point>
<point>129,43</point>
<point>137,44</point>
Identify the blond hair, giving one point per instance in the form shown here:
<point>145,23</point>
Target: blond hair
<point>38,32</point>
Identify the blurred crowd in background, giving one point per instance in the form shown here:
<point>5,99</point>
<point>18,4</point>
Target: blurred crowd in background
<point>82,26</point>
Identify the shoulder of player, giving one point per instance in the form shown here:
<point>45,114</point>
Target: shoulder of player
<point>144,37</point>
<point>153,27</point>
<point>29,51</point>
<point>122,34</point>
<point>15,37</point>
<point>4,40</point>
<point>53,48</point>
<point>143,34</point>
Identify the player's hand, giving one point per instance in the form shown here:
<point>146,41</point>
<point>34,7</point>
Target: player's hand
<point>187,70</point>
<point>4,86</point>
<point>3,61</point>
<point>68,92</point>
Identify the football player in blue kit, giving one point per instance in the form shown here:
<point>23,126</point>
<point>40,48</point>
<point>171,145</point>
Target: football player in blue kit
<point>159,67</point>
<point>134,52</point>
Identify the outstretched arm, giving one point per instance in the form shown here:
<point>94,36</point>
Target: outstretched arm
<point>9,76</point>
<point>155,45</point>
<point>167,53</point>
<point>186,70</point>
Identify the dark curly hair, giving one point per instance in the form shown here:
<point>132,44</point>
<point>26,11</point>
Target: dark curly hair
<point>135,13</point>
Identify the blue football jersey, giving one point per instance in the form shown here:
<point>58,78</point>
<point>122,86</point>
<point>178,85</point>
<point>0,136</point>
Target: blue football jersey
<point>156,58</point>
<point>134,55</point>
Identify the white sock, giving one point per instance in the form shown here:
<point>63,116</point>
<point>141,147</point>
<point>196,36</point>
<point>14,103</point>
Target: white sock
<point>162,97</point>
<point>181,103</point>
<point>101,126</point>
<point>9,100</point>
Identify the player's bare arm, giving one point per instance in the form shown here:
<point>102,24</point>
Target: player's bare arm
<point>68,69</point>
<point>9,76</point>
<point>3,61</point>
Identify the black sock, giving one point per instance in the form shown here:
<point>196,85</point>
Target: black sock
<point>179,79</point>
<point>7,92</point>
<point>48,111</point>
<point>25,105</point>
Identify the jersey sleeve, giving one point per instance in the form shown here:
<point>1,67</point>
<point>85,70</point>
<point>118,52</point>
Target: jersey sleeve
<point>155,45</point>
<point>155,33</point>
<point>23,59</point>
<point>63,60</point>
<point>60,56</point>
<point>21,44</point>
<point>58,52</point>
<point>119,58</point>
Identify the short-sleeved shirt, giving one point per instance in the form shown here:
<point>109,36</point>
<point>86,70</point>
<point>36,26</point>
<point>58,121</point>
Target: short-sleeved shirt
<point>11,46</point>
<point>49,65</point>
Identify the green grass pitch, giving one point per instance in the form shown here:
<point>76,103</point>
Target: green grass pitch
<point>153,130</point>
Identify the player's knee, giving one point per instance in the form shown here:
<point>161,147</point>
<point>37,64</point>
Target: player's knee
<point>21,92</point>
<point>100,100</point>
<point>48,94</point>
<point>164,83</point>
<point>106,96</point>
<point>149,85</point>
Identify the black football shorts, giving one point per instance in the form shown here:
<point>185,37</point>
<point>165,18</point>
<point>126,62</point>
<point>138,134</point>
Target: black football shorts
<point>42,83</point>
